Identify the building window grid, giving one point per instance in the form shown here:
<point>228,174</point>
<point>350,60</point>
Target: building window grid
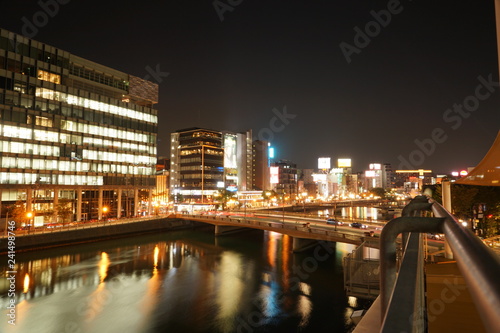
<point>94,105</point>
<point>53,136</point>
<point>25,133</point>
<point>73,166</point>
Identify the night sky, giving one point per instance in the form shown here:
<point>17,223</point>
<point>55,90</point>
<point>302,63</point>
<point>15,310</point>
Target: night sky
<point>278,68</point>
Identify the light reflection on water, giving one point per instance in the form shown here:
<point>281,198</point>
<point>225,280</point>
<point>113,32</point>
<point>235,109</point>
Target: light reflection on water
<point>354,212</point>
<point>180,282</point>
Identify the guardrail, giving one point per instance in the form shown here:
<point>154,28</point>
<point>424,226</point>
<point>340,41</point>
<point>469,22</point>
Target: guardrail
<point>277,226</point>
<point>77,226</point>
<point>402,297</point>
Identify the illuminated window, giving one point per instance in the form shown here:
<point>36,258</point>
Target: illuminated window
<point>51,77</point>
<point>43,121</point>
<point>17,132</point>
<point>91,104</point>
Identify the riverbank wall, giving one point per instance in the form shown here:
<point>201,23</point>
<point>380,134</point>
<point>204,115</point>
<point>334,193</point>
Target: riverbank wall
<point>89,233</point>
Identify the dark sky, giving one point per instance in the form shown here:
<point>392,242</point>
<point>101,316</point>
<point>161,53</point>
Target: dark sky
<point>286,56</point>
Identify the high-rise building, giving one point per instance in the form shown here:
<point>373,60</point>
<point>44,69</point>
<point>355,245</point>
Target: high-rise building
<point>73,129</point>
<point>388,179</point>
<point>245,161</point>
<point>286,185</point>
<point>196,164</point>
<point>261,178</point>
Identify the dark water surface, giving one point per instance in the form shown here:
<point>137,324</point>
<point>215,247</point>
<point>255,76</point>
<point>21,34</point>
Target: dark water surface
<point>186,281</point>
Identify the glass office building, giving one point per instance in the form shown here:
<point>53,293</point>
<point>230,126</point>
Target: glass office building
<point>73,129</point>
<point>196,164</point>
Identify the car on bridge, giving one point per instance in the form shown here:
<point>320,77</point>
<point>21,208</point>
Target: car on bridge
<point>334,222</point>
<point>358,225</point>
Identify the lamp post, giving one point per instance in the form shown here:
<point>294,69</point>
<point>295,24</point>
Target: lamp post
<point>6,222</point>
<point>283,205</point>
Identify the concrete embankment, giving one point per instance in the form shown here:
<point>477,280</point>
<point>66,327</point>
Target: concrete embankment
<point>91,234</point>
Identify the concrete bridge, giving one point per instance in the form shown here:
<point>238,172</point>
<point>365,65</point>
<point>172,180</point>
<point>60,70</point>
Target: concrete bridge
<point>304,232</point>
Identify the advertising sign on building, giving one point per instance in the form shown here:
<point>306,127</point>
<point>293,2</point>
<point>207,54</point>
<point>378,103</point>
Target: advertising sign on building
<point>324,163</point>
<point>275,179</point>
<point>230,151</point>
<point>344,162</point>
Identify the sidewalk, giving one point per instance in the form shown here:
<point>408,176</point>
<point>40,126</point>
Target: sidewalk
<point>449,304</point>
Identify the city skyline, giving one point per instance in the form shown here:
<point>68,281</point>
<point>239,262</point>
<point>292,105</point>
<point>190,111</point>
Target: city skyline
<point>382,81</point>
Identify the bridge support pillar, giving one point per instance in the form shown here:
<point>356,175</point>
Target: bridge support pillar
<point>302,244</point>
<point>225,229</point>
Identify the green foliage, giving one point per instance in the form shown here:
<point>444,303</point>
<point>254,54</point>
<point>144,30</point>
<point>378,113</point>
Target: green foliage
<point>143,195</point>
<point>223,196</point>
<point>378,192</point>
<point>177,198</point>
<point>462,200</point>
<point>65,210</point>
<point>268,195</point>
<point>465,197</point>
<point>491,227</point>
<point>17,213</point>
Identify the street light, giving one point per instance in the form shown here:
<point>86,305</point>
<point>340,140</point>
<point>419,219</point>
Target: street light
<point>104,211</point>
<point>6,223</point>
<point>29,215</point>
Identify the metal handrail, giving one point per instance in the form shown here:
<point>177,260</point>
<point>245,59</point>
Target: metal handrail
<point>479,265</point>
<point>406,310</point>
<point>388,269</point>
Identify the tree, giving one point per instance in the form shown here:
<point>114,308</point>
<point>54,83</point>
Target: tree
<point>65,210</point>
<point>462,200</point>
<point>268,195</point>
<point>223,196</point>
<point>177,198</point>
<point>378,192</point>
<point>143,195</point>
<point>18,213</point>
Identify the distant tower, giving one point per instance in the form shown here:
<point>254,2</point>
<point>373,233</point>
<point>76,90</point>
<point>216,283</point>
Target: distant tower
<point>260,166</point>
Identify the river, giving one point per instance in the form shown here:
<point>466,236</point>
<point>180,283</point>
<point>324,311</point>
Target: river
<point>184,281</point>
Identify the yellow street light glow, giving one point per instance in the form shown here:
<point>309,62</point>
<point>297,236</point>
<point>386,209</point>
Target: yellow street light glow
<point>29,215</point>
<point>104,209</point>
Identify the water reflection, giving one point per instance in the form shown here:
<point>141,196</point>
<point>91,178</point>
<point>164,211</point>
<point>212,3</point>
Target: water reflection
<point>26,286</point>
<point>181,283</point>
<point>355,212</point>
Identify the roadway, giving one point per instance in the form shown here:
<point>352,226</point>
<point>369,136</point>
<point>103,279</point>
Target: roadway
<point>305,225</point>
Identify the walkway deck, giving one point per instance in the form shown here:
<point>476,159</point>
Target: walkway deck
<point>449,304</point>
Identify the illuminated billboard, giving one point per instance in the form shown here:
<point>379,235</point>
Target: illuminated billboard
<point>319,177</point>
<point>375,166</point>
<point>230,151</point>
<point>324,163</point>
<point>370,173</point>
<point>344,162</point>
<point>275,178</point>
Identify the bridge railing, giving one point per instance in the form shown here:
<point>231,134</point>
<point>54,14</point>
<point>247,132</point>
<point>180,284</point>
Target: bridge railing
<point>303,227</point>
<point>402,293</point>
